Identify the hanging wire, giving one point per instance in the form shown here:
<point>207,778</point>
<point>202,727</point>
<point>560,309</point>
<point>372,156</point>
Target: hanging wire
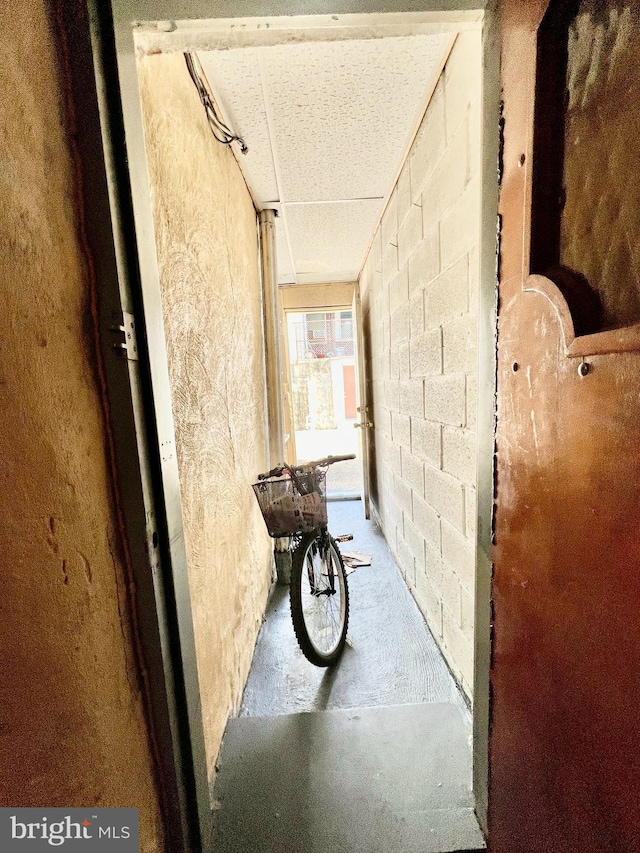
<point>219,129</point>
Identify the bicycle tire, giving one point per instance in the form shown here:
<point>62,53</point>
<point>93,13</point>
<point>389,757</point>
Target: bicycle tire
<point>320,619</point>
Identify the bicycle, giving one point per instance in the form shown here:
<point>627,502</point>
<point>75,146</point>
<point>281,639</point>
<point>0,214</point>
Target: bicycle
<point>293,503</point>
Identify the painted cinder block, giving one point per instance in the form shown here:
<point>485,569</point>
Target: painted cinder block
<point>398,290</point>
<point>389,263</point>
<point>389,224</point>
<point>392,454</point>
<point>447,296</point>
<point>412,470</point>
<point>429,603</point>
<point>401,429</point>
<point>426,353</point>
<point>365,282</point>
<point>392,507</point>
<point>424,264</point>
<point>406,560</point>
<point>409,235</point>
<point>402,493</point>
<point>427,521</point>
<point>416,314</point>
<point>376,251</point>
<point>459,553</point>
<point>458,650</point>
<point>372,325</point>
<point>445,399</point>
<point>462,83</point>
<point>380,370</point>
<point>471,395</point>
<point>449,588</point>
<point>470,508</point>
<point>392,395</point>
<point>400,325</point>
<point>382,421</point>
<point>404,193</point>
<point>434,564</point>
<point>382,296</point>
<point>429,143</point>
<point>382,365</point>
<point>460,344</point>
<point>447,181</point>
<point>459,454</point>
<point>445,494</point>
<point>460,226</point>
<point>426,440</point>
<point>394,362</point>
<point>423,281</point>
<point>412,397</point>
<point>467,613</point>
<point>416,544</point>
<point>403,361</point>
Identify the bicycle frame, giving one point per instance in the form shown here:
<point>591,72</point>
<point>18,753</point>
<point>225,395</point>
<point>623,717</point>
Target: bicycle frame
<point>322,543</point>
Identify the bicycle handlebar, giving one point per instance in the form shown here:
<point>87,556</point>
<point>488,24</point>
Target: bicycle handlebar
<point>316,463</point>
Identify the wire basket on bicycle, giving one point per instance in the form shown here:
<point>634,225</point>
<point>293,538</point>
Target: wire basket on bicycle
<point>294,502</point>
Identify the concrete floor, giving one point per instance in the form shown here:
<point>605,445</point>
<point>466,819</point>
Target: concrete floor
<point>372,756</point>
<point>391,659</point>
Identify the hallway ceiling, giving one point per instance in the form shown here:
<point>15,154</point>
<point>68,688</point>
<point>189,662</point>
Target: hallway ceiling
<point>327,124</point>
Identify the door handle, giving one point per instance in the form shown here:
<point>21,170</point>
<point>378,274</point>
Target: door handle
<point>362,426</point>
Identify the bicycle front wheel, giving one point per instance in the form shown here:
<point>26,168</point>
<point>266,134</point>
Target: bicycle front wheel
<point>319,599</point>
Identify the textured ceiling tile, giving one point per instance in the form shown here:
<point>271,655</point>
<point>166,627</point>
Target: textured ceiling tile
<point>342,111</point>
<point>329,239</point>
<point>337,118</point>
<point>234,77</point>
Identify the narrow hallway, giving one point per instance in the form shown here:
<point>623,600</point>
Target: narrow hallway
<point>373,755</point>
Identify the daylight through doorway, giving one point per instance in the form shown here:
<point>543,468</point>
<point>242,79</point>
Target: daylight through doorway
<point>323,371</point>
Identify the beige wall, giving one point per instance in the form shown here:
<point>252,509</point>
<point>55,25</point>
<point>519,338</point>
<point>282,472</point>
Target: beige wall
<point>209,269</point>
<point>296,297</point>
<point>72,731</point>
<point>420,294</point>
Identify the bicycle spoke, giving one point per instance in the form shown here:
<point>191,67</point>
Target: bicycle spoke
<point>321,600</point>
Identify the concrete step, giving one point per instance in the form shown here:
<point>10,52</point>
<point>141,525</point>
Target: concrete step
<point>366,780</point>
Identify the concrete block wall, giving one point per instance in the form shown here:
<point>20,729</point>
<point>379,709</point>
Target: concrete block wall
<point>420,299</point>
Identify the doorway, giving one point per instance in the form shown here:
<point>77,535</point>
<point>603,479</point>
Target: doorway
<point>154,323</point>
<point>322,369</point>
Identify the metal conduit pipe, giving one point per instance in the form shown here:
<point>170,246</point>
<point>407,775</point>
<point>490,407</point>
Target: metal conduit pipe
<point>266,219</point>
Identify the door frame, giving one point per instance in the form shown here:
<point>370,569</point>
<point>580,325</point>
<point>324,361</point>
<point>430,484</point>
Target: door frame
<point>363,402</point>
<point>121,240</point>
<point>322,307</point>
<point>88,56</point>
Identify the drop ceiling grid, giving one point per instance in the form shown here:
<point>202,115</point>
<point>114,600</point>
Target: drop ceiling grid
<point>343,112</point>
<point>331,238</point>
<point>327,124</point>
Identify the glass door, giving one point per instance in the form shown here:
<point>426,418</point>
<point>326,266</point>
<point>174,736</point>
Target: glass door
<point>324,377</point>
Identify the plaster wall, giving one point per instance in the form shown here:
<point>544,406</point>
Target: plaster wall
<point>73,729</point>
<point>420,295</point>
<point>206,237</point>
